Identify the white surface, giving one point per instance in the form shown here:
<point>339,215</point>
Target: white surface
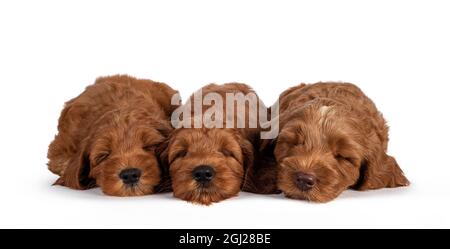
<point>396,51</point>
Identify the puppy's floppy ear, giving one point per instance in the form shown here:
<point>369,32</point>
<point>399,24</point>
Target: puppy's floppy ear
<point>380,172</point>
<point>261,178</point>
<point>161,152</point>
<point>166,93</point>
<point>267,147</point>
<point>248,159</point>
<point>163,127</point>
<point>247,153</point>
<point>76,175</point>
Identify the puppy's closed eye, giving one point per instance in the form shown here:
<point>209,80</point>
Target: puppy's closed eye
<point>100,157</point>
<point>177,155</point>
<point>227,153</point>
<point>292,137</point>
<point>347,159</point>
<point>150,147</point>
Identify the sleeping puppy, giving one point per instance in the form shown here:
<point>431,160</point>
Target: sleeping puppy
<point>209,163</point>
<point>109,136</point>
<point>332,137</point>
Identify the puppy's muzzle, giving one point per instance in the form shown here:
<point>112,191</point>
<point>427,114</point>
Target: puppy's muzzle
<point>130,176</point>
<point>203,174</point>
<point>304,181</point>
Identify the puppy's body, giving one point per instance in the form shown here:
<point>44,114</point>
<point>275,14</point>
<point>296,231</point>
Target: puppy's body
<point>332,137</point>
<point>114,125</point>
<point>224,156</point>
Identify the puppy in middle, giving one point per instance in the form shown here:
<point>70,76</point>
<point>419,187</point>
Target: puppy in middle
<point>210,163</point>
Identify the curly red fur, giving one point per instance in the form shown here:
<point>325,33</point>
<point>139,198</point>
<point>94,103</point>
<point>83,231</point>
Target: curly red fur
<point>229,151</point>
<point>116,123</point>
<point>334,133</point>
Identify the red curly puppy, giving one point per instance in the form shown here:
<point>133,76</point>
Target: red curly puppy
<point>332,137</point>
<point>209,164</point>
<point>109,134</point>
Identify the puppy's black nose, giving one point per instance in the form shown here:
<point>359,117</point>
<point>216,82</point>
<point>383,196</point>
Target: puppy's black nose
<point>130,176</point>
<point>305,181</point>
<point>203,174</point>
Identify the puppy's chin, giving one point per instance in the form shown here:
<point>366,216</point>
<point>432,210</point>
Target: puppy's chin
<point>120,189</point>
<point>316,194</point>
<point>204,195</point>
<point>190,190</point>
<point>313,195</point>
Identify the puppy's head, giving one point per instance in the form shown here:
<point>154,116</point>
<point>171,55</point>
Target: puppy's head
<point>207,165</point>
<point>324,149</point>
<point>119,155</point>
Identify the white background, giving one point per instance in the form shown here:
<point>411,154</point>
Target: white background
<point>397,51</point>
